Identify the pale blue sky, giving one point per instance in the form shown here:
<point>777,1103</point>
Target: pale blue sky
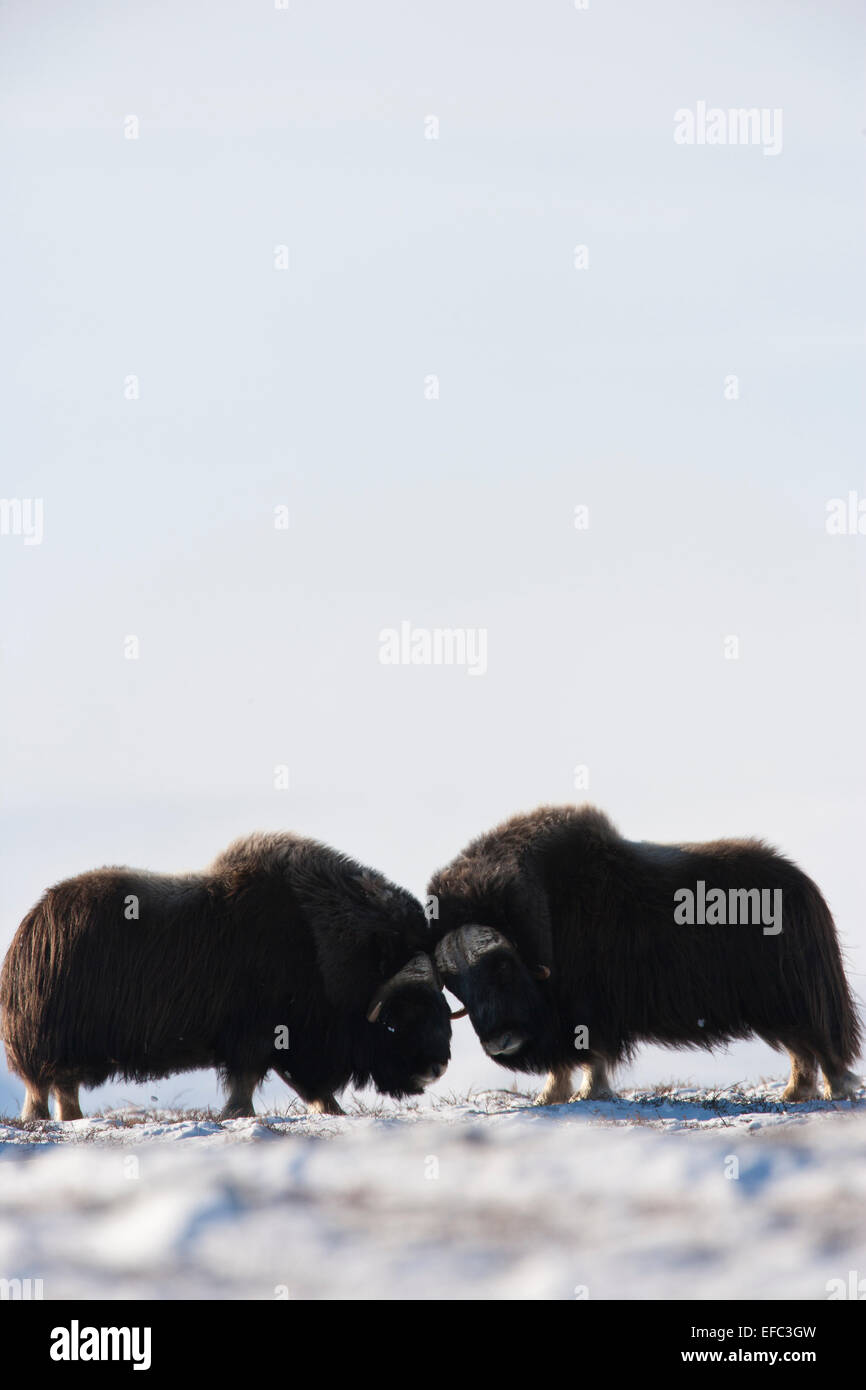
<point>409,257</point>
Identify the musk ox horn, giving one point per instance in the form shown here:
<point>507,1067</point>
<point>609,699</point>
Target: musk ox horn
<point>477,941</point>
<point>463,947</point>
<point>471,944</point>
<point>420,970</point>
<point>466,945</point>
<point>449,957</point>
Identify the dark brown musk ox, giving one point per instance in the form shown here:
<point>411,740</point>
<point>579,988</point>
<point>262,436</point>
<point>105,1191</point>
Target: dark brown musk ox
<point>569,946</point>
<point>284,955</point>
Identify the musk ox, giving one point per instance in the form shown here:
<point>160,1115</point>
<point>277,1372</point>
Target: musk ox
<point>569,946</point>
<point>284,955</point>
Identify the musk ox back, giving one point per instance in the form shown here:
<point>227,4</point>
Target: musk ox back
<point>570,945</point>
<point>284,955</point>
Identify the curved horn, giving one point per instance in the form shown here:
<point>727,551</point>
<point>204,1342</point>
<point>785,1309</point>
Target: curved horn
<point>448,956</point>
<point>420,970</point>
<point>464,946</point>
<point>477,941</point>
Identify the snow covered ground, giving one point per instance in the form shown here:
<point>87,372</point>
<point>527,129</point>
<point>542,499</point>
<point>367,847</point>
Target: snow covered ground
<point>681,1194</point>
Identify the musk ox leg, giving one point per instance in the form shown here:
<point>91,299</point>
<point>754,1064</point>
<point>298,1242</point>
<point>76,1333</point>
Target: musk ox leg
<point>596,1085</point>
<point>35,1105</point>
<point>557,1087</point>
<point>802,1083</point>
<point>240,1086</point>
<point>326,1105</point>
<point>66,1101</point>
<point>840,1084</point>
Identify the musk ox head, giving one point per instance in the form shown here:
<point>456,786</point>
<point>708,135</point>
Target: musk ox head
<point>502,994</point>
<point>411,1044</point>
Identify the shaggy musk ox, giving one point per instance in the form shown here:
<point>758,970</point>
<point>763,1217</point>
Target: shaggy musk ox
<point>561,939</point>
<point>284,955</point>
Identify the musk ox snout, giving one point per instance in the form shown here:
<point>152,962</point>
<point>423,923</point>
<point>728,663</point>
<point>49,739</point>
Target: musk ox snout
<point>437,1069</point>
<point>503,1044</point>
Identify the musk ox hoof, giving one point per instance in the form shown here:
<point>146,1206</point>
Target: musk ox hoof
<point>35,1105</point>
<point>595,1093</point>
<point>35,1112</point>
<point>843,1087</point>
<point>237,1112</point>
<point>556,1089</point>
<point>327,1105</point>
<point>797,1092</point>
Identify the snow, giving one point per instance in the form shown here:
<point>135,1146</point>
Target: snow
<point>487,1197</point>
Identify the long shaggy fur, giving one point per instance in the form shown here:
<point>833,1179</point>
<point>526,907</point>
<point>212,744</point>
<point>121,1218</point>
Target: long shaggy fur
<point>570,894</point>
<point>280,932</point>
